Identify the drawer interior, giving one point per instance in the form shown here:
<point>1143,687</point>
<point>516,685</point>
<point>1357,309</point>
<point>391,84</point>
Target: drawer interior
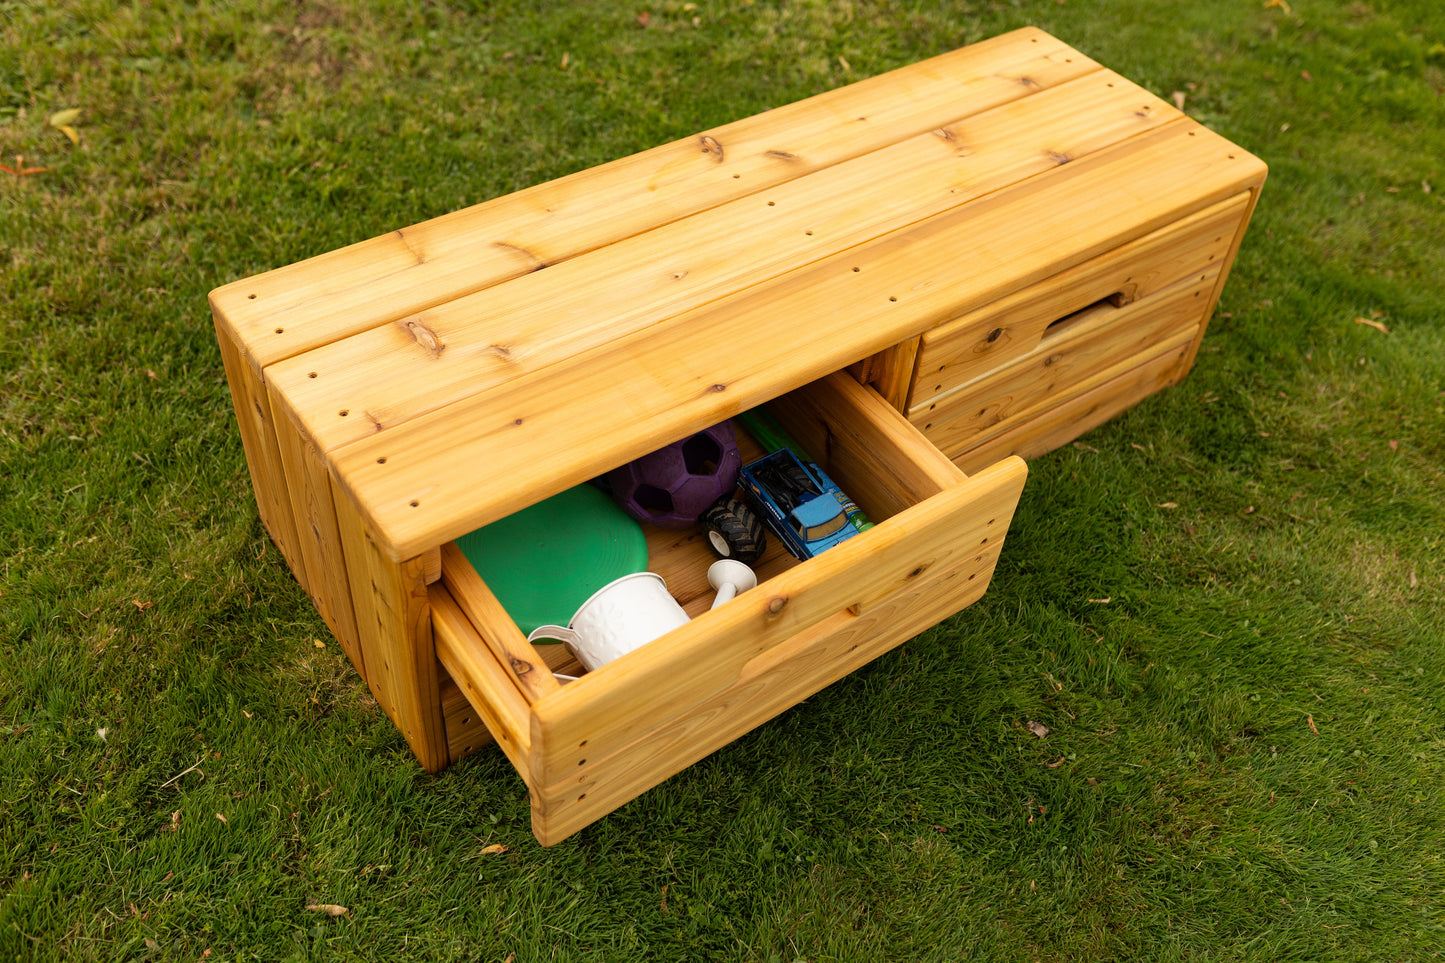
<point>877,458</point>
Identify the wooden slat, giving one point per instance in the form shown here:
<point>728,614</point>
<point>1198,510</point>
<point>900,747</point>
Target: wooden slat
<point>1104,342</point>
<point>481,678</point>
<point>526,667</point>
<point>1060,425</point>
<point>466,731</point>
<point>377,379</point>
<point>772,682</point>
<point>601,713</point>
<point>986,340</point>
<point>407,271</point>
<point>263,458</point>
<point>318,538</point>
<point>393,621</point>
<point>436,477</point>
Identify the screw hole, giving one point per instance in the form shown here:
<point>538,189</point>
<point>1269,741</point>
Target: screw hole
<point>772,204</point>
<point>311,375</point>
<point>280,330</point>
<point>415,504</point>
<point>892,299</point>
<point>381,460</point>
<point>251,297</point>
<point>809,233</point>
<point>343,412</point>
<point>856,270</point>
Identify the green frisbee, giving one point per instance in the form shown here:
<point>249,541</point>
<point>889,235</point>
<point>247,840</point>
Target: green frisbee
<point>543,562</point>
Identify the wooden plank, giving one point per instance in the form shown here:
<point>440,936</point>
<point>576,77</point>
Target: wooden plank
<point>393,621</point>
<point>890,372</point>
<point>372,381</point>
<point>1053,427</point>
<point>1227,259</point>
<point>1102,342</point>
<point>525,665</point>
<point>319,540</point>
<point>407,271</point>
<point>985,340</point>
<point>601,713</point>
<point>466,732</point>
<point>487,685</point>
<point>434,478</point>
<point>772,682</point>
<point>263,458</point>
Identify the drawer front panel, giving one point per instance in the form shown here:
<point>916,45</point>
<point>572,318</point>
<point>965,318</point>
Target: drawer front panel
<point>1084,412</point>
<point>771,683</point>
<point>982,341</point>
<point>1086,349</point>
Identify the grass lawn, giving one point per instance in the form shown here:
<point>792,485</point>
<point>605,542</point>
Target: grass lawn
<point>1226,605</point>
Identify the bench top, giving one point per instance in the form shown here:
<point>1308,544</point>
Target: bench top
<point>456,371</point>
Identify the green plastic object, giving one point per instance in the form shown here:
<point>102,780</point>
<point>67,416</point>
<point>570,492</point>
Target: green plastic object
<point>543,562</point>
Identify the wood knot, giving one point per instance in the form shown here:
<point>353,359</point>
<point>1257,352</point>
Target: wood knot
<point>425,337</point>
<point>776,604</point>
<point>520,666</point>
<point>711,146</point>
<point>916,572</point>
<point>1059,157</point>
<point>718,389</point>
<point>994,335</point>
<point>537,263</point>
<point>781,155</point>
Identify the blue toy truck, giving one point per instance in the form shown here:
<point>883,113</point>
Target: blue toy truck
<point>799,504</point>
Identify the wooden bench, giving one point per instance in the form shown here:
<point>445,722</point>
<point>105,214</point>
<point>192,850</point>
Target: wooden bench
<point>928,273</point>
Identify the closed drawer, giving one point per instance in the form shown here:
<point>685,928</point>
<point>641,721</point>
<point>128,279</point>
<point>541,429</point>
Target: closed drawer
<point>589,746</point>
<point>1076,354</point>
<point>1014,327</point>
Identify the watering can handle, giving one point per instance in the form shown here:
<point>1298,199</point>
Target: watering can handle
<point>558,632</point>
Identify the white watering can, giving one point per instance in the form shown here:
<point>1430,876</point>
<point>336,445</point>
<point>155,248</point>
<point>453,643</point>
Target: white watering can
<point>631,611</point>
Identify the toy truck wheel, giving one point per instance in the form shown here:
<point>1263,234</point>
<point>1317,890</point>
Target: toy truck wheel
<point>734,530</point>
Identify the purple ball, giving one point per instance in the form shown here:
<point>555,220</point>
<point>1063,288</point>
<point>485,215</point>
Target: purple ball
<point>672,486</point>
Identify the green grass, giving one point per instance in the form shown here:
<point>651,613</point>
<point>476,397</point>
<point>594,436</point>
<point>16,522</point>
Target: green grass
<point>1247,741</point>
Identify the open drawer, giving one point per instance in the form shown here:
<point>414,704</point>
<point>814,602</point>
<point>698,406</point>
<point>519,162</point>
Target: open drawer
<point>585,748</point>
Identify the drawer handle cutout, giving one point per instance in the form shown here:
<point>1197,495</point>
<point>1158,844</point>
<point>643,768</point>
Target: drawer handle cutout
<point>1105,305</point>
